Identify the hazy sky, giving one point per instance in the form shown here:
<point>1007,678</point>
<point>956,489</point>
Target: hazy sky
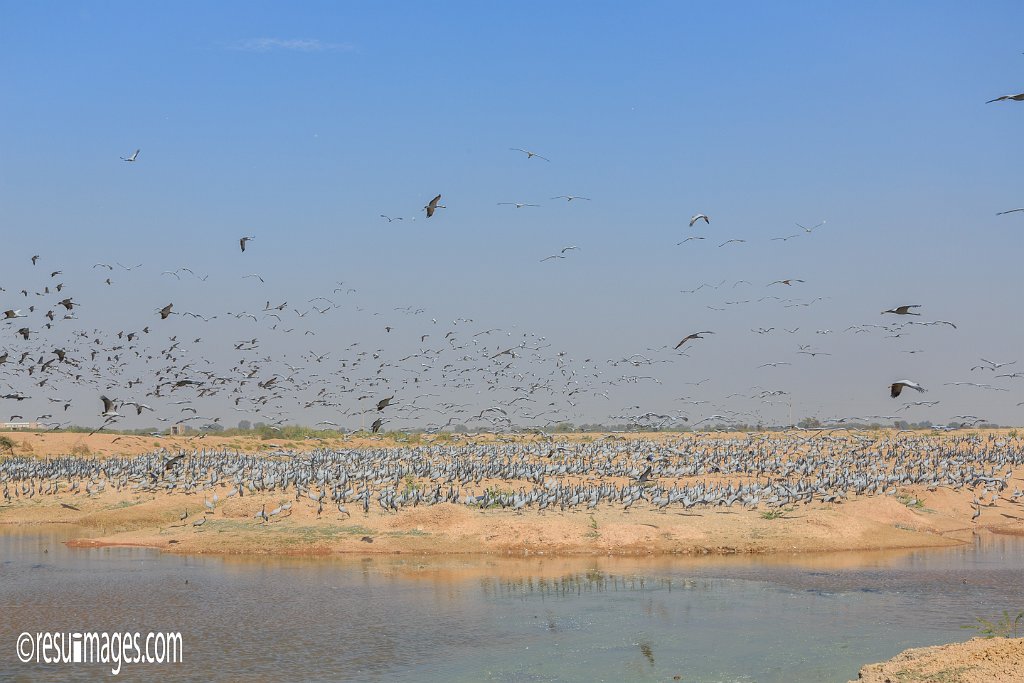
<point>301,124</point>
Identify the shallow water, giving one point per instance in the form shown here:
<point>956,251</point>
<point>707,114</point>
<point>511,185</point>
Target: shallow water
<point>385,618</point>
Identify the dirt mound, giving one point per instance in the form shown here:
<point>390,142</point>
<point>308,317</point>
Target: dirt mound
<point>993,660</point>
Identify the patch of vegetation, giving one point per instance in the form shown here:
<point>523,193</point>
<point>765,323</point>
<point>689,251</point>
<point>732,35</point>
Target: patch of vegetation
<point>324,531</point>
<point>6,444</point>
<point>593,533</point>
<point>491,495</point>
<point>776,513</point>
<point>81,450</point>
<point>1006,626</point>
<point>410,485</point>
<point>911,674</point>
<point>911,502</point>
<point>410,532</point>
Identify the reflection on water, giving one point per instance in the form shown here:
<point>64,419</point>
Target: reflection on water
<point>385,618</point>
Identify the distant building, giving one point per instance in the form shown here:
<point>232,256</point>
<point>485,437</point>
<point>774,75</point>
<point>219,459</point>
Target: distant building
<point>29,426</point>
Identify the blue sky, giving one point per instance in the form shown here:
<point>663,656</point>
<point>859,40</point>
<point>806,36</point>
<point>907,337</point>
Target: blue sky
<point>300,125</point>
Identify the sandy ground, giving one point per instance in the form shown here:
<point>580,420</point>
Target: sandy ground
<point>976,661</point>
<point>941,518</point>
<point>62,443</point>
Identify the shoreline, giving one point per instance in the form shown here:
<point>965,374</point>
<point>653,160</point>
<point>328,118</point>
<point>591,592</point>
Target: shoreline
<point>862,523</point>
<point>914,516</point>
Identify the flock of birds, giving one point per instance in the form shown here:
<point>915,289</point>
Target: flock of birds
<point>438,376</point>
<point>160,369</point>
<point>759,470</point>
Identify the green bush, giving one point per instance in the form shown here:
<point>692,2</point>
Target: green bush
<point>1005,627</point>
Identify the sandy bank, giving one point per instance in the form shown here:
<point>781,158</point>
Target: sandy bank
<point>980,660</point>
<point>918,517</point>
<point>864,523</point>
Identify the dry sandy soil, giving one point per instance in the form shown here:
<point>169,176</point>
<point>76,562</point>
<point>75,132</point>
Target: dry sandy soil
<point>976,661</point>
<point>942,518</point>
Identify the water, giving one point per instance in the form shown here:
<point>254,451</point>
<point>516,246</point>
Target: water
<point>389,618</point>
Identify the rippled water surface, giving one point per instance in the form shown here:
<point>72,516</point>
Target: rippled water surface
<point>387,618</point>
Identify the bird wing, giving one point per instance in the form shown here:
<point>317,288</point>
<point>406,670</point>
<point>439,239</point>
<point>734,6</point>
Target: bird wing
<point>1019,97</point>
<point>686,339</point>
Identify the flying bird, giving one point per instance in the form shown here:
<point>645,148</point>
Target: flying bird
<point>108,408</point>
<point>1009,211</point>
<point>695,335</point>
<point>992,365</point>
<point>810,229</point>
<point>165,311</point>
<point>896,387</point>
<point>903,310</point>
<point>570,197</point>
<point>788,282</point>
<point>133,157</point>
<point>384,403</point>
<point>698,217</point>
<point>1019,97</point>
<point>433,206</point>
<point>242,241</point>
<point>528,153</point>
